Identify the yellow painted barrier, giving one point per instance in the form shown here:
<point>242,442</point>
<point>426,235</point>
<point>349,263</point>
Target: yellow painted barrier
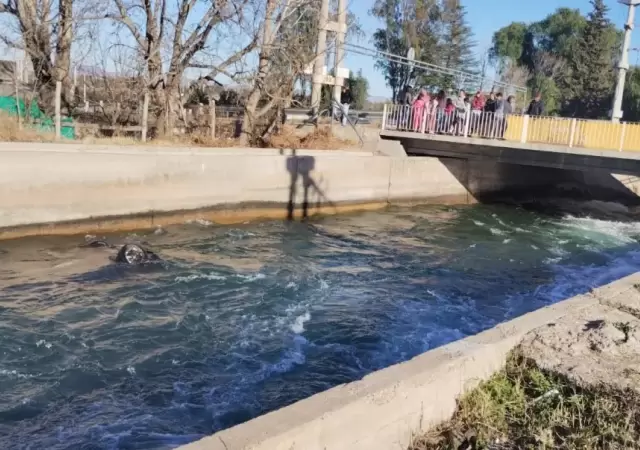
<point>514,128</point>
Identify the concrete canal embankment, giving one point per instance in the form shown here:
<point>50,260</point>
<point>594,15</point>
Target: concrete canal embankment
<point>74,188</point>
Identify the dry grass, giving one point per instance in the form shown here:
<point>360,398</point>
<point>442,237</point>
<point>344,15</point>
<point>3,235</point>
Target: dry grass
<point>10,131</point>
<point>523,407</point>
<point>320,139</point>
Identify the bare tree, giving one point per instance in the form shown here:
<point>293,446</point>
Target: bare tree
<point>169,40</point>
<point>514,74</point>
<point>114,82</point>
<point>287,47</point>
<point>45,33</point>
<point>547,65</point>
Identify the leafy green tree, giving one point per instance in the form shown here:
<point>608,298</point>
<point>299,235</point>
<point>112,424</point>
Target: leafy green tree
<point>507,44</point>
<point>631,99</point>
<point>407,24</point>
<point>591,69</point>
<point>560,32</point>
<point>547,51</point>
<point>359,87</point>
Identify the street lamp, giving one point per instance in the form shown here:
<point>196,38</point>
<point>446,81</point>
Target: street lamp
<point>623,66</point>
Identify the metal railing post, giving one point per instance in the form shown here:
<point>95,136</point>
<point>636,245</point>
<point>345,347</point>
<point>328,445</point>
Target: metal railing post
<point>622,135</point>
<point>423,125</point>
<point>572,136</point>
<point>525,129</point>
<point>384,116</point>
<point>467,123</point>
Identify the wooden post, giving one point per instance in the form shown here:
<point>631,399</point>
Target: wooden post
<point>145,116</point>
<point>58,118</point>
<point>212,118</point>
<point>384,116</point>
<point>18,101</point>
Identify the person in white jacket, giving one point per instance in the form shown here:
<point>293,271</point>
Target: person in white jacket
<point>461,109</point>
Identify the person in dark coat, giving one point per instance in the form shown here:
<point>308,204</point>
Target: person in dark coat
<point>536,107</point>
<point>345,102</point>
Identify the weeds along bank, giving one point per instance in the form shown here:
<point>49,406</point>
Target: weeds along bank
<point>570,384</point>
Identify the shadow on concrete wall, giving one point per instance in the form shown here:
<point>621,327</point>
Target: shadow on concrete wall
<point>300,169</point>
<point>545,189</point>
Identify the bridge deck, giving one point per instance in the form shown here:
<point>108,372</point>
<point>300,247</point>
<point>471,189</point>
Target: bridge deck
<point>534,154</point>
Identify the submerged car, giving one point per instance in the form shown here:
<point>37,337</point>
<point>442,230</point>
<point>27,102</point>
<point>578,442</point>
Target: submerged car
<point>132,254</point>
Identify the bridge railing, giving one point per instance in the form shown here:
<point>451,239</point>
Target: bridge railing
<point>567,132</point>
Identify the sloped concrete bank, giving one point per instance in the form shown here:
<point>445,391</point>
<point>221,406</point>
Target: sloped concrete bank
<point>385,409</point>
<point>78,188</point>
<point>75,188</point>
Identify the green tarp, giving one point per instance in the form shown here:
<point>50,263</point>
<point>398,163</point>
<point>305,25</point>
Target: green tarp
<point>44,123</point>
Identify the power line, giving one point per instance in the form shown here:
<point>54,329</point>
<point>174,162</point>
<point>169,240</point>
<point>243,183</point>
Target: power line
<point>466,76</point>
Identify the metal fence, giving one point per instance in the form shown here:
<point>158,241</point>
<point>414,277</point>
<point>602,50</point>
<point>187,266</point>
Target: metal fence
<point>566,132</point>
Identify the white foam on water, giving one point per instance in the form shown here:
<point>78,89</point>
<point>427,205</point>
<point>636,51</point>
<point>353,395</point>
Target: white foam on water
<point>131,370</point>
<point>14,374</point>
<point>506,241</point>
<point>478,223</point>
<point>298,326</point>
<point>500,221</point>
<point>618,232</point>
<point>209,276</point>
<point>291,285</point>
<point>252,277</point>
<point>557,251</point>
<point>42,342</point>
<point>496,231</point>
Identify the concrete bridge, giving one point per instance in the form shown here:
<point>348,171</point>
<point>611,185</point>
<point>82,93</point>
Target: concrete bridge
<point>497,157</point>
<point>512,152</point>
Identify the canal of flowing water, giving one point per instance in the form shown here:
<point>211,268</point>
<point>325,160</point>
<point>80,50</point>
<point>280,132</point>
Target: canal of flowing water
<point>241,320</point>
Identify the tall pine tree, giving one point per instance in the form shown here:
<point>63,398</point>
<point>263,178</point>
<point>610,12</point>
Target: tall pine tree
<point>456,47</point>
<point>590,82</point>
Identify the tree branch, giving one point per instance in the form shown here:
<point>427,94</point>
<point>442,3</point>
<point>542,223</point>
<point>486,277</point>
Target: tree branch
<point>8,8</point>
<point>126,20</point>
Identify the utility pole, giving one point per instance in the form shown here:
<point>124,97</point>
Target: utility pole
<point>338,27</point>
<point>623,66</point>
<point>318,65</point>
<point>341,32</point>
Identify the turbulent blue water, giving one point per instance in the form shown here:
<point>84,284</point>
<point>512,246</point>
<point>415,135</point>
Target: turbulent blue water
<point>242,320</point>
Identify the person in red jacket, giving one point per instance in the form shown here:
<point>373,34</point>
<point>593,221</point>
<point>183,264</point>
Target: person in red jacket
<point>477,106</point>
<point>478,102</point>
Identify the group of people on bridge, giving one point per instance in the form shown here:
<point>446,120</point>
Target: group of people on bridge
<point>479,115</point>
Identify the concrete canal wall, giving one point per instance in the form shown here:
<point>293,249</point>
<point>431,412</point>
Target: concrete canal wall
<point>75,188</point>
<point>386,408</point>
<point>42,184</point>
